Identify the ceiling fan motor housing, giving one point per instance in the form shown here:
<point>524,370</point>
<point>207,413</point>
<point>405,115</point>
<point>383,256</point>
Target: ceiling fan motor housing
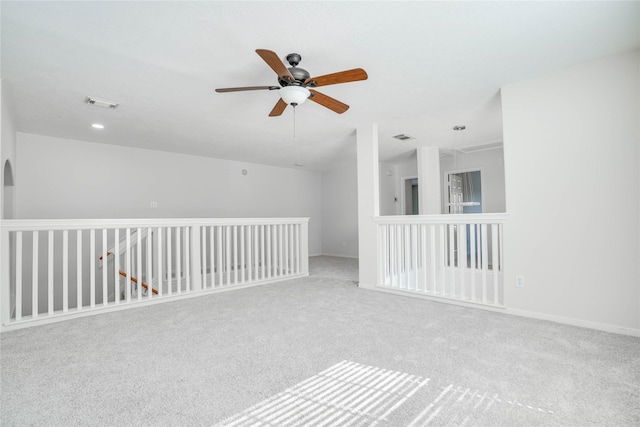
<point>299,74</point>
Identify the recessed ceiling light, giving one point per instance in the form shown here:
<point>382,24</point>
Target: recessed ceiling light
<point>459,127</point>
<point>97,126</point>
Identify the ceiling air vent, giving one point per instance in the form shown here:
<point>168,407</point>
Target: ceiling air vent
<point>403,137</point>
<point>102,103</point>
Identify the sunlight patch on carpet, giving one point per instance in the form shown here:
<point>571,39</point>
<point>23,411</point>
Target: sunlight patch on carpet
<point>348,393</point>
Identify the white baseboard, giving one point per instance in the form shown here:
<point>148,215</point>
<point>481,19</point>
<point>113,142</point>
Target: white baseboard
<point>605,327</point>
<point>335,255</point>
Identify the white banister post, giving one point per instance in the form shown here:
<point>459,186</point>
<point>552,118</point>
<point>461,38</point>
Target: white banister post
<point>304,247</point>
<point>368,203</point>
<point>195,256</point>
<point>5,278</point>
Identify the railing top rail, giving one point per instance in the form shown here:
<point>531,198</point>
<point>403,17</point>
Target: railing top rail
<point>485,218</point>
<point>87,224</point>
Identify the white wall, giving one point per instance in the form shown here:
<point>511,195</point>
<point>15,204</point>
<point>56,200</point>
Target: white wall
<point>7,152</point>
<point>60,178</point>
<point>491,163</point>
<point>572,161</point>
<point>340,212</point>
<point>389,197</point>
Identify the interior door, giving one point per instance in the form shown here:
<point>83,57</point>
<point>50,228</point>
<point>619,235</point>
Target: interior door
<point>455,194</point>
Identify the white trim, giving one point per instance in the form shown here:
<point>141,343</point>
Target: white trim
<point>335,255</point>
<point>605,327</point>
<point>86,224</point>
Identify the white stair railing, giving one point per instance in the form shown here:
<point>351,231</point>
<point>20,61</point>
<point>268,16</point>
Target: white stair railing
<point>56,269</point>
<point>455,257</point>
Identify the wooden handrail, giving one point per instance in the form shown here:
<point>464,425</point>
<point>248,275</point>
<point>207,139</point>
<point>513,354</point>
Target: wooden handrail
<point>134,280</point>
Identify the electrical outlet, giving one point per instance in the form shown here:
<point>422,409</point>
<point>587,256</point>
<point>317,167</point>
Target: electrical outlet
<point>519,281</point>
<point>153,204</point>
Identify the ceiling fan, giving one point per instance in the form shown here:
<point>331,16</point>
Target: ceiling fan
<point>296,83</point>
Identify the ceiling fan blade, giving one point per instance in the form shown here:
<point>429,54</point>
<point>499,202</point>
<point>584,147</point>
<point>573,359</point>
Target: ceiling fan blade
<point>278,109</point>
<point>340,77</point>
<point>327,101</point>
<point>238,89</point>
<point>272,60</point>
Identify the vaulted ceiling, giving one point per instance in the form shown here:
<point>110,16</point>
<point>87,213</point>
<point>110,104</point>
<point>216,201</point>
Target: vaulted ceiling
<point>431,66</point>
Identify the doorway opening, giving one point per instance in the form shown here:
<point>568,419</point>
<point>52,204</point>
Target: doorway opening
<point>7,191</point>
<point>410,205</point>
<point>464,192</point>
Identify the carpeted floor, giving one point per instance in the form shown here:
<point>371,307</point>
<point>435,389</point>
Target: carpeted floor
<point>316,351</point>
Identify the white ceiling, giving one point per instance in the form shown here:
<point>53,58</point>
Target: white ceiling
<point>431,65</point>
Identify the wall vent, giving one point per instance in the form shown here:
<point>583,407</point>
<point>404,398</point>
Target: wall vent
<point>102,103</point>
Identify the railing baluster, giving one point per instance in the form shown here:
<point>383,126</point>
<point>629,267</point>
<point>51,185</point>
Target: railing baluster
<point>18,275</point>
<point>285,258</point>
<point>234,232</point>
<point>187,257</point>
<point>178,261</point>
<point>415,244</point>
<point>268,247</point>
<point>116,265</point>
<point>383,255</point>
<point>494,262</point>
<point>212,261</point>
<point>472,257</point>
<point>34,275</point>
<point>227,254</point>
<point>432,247</point>
<point>219,254</point>
<point>78,270</point>
<point>423,252</point>
<point>65,271</point>
<point>443,261</point>
<point>50,307</point>
<point>92,266</point>
<point>160,256</point>
<point>149,263</point>
<point>393,271</point>
<point>462,258</point>
<point>250,253</point>
<point>169,262</point>
<point>139,262</point>
<point>242,265</point>
<point>105,282</point>
<point>485,261</point>
<point>127,264</point>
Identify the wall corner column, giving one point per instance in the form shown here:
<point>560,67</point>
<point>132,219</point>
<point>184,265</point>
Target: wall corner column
<point>429,188</point>
<point>368,204</point>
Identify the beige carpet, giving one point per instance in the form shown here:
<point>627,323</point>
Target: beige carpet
<point>316,351</point>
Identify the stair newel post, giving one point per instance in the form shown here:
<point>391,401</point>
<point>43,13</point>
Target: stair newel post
<point>5,278</point>
<point>195,257</point>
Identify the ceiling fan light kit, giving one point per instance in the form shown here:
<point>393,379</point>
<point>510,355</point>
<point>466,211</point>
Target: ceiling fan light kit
<point>294,82</point>
<point>294,95</point>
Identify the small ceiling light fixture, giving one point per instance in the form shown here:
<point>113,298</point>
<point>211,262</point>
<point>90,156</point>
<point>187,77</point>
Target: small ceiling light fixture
<point>402,137</point>
<point>294,95</point>
<point>97,126</point>
<point>102,103</point>
<point>459,127</point>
